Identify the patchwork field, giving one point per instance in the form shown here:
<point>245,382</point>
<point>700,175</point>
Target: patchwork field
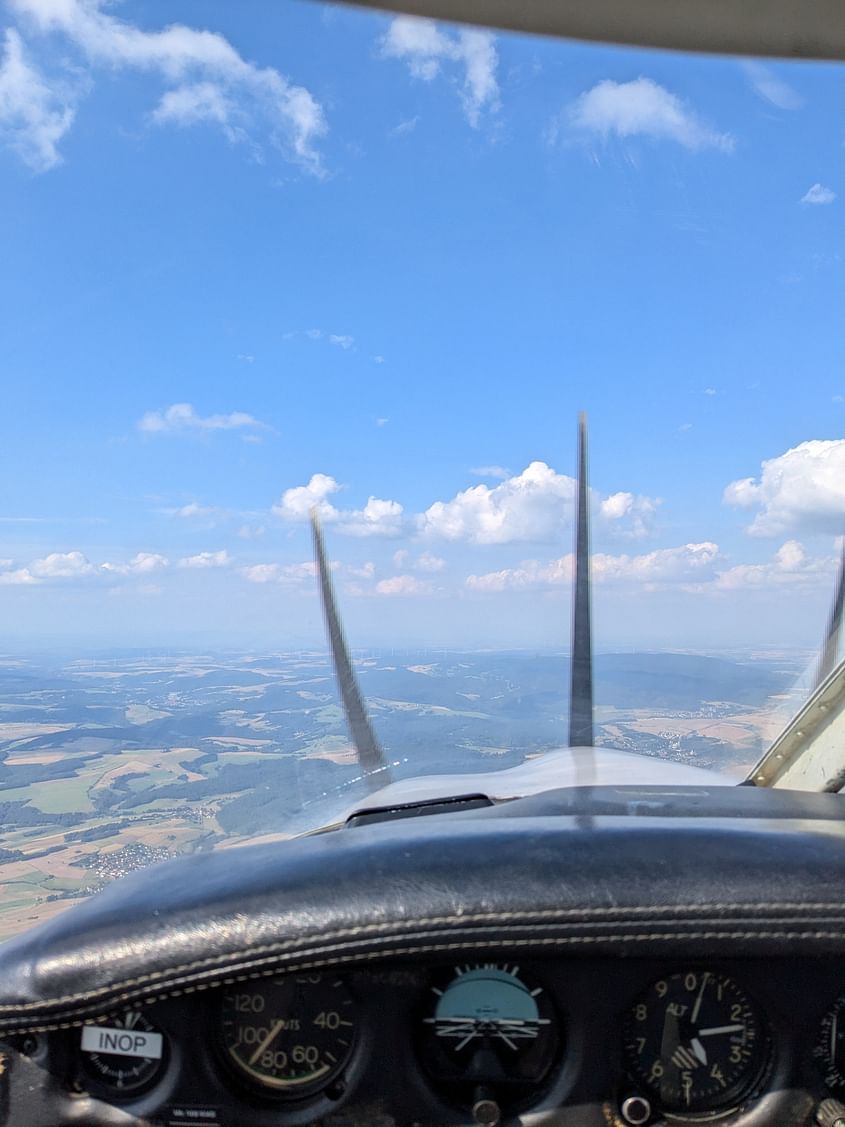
<point>110,765</point>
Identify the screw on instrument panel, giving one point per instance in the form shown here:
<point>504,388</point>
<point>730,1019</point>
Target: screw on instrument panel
<point>29,1045</point>
<point>336,1090</point>
<point>486,1113</point>
<point>636,1110</point>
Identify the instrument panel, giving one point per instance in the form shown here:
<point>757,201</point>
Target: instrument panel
<point>479,1040</point>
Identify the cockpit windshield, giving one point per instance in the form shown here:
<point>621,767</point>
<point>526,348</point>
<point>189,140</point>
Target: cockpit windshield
<point>263,264</point>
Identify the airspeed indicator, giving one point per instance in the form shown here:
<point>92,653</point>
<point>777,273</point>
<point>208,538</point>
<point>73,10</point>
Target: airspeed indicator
<point>289,1036</point>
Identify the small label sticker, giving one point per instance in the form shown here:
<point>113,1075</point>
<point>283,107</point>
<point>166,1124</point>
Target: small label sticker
<point>122,1042</point>
<point>183,1114</point>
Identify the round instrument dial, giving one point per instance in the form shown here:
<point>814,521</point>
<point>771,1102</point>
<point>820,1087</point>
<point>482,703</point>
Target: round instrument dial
<point>695,1042</point>
<point>488,1024</point>
<point>829,1050</point>
<point>290,1036</point>
<point>124,1055</point>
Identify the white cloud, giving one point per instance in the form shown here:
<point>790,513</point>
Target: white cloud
<point>20,577</point>
<point>382,422</point>
<point>497,472</point>
<point>279,573</point>
<point>207,559</point>
<point>75,565</point>
<point>342,340</point>
<point>531,506</point>
<point>803,489</point>
<point>143,563</point>
<point>404,127</point>
<point>33,116</point>
<point>710,391</point>
<point>790,566</point>
<point>429,50</point>
<point>62,565</point>
<point>365,571</point>
<point>768,86</point>
<point>428,562</point>
<point>377,518</point>
<point>193,509</point>
<point>424,562</point>
<point>661,566</point>
<point>404,585</point>
<point>297,503</point>
<point>818,194</point>
<point>378,359</point>
<point>637,511</point>
<point>643,108</point>
<point>208,80</point>
<point>182,417</point>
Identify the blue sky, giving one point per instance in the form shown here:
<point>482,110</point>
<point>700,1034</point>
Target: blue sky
<point>244,245</point>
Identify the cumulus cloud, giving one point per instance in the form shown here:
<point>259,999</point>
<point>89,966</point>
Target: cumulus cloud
<point>499,473</point>
<point>531,506</point>
<point>427,562</point>
<point>365,571</point>
<point>207,559</point>
<point>18,577</point>
<point>342,340</point>
<point>143,563</point>
<point>818,194</point>
<point>34,115</point>
<point>62,565</point>
<point>430,51</point>
<point>76,566</point>
<point>649,569</point>
<point>377,518</point>
<point>768,86</point>
<point>404,585</point>
<point>790,566</point>
<point>279,573</point>
<point>643,108</point>
<point>182,418</point>
<point>207,80</point>
<point>194,511</point>
<point>296,503</point>
<point>803,489</point>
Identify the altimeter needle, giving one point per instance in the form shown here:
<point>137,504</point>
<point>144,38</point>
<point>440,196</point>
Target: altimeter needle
<point>268,1040</point>
<point>697,1005</point>
<point>699,1050</point>
<point>716,1029</point>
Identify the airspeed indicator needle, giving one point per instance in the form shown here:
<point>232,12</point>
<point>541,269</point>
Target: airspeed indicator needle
<point>271,1036</point>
